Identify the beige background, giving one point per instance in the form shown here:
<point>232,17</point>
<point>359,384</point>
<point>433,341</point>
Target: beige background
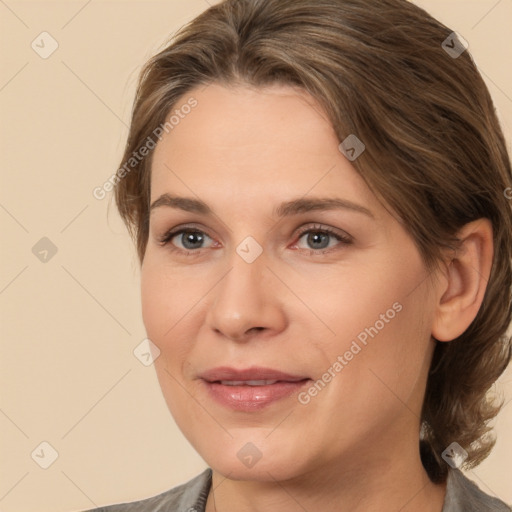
<point>69,325</point>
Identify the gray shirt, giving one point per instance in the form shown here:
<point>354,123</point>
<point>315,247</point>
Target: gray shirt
<point>462,495</point>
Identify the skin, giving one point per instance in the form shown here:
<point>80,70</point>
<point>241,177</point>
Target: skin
<point>296,308</point>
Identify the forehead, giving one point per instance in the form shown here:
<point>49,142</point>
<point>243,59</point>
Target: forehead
<point>270,141</point>
<point>242,117</point>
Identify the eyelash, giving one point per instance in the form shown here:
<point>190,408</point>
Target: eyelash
<point>344,240</point>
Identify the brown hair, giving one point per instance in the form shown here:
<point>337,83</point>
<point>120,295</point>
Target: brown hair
<point>434,153</point>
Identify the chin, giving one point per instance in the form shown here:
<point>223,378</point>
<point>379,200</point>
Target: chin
<point>269,471</point>
<point>248,463</point>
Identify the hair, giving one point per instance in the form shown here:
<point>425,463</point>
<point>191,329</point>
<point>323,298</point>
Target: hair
<point>435,154</point>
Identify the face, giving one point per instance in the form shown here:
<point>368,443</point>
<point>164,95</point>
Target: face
<point>291,309</point>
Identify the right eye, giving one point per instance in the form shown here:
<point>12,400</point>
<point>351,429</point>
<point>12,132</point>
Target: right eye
<point>189,238</point>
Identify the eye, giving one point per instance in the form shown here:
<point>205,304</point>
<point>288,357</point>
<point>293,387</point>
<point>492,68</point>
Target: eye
<point>319,238</point>
<point>190,239</point>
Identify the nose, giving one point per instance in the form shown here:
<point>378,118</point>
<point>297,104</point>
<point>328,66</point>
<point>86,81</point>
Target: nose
<point>246,302</point>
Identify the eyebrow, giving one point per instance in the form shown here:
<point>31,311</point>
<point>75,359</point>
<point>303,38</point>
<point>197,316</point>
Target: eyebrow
<point>285,209</point>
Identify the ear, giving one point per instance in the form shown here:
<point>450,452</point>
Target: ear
<point>461,291</point>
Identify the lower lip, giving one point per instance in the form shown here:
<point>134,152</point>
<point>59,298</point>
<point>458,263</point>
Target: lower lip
<point>252,398</point>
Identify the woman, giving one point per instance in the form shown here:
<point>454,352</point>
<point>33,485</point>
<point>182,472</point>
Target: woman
<point>317,190</point>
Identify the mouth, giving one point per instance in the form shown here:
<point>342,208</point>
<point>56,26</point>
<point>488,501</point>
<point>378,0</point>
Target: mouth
<point>250,389</point>
<point>247,382</point>
<point>254,374</point>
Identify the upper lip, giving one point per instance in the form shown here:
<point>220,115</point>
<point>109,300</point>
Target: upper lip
<point>253,373</point>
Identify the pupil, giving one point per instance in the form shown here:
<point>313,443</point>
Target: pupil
<point>316,238</point>
<point>189,238</point>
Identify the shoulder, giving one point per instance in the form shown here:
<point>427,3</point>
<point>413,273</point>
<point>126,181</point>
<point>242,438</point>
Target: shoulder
<point>463,495</point>
<point>188,497</point>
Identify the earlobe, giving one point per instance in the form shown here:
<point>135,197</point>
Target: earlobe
<point>466,277</point>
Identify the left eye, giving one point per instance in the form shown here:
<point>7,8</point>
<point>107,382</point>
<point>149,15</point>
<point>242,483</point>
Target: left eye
<point>318,239</point>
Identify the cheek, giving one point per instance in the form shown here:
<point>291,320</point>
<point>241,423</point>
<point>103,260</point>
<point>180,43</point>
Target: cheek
<point>393,352</point>
<point>172,300</point>
<point>156,304</point>
<point>165,303</point>
<point>167,296</point>
<point>379,317</point>
<point>354,304</point>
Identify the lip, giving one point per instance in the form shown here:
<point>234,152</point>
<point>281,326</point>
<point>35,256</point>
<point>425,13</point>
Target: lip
<point>253,373</point>
<point>248,398</point>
